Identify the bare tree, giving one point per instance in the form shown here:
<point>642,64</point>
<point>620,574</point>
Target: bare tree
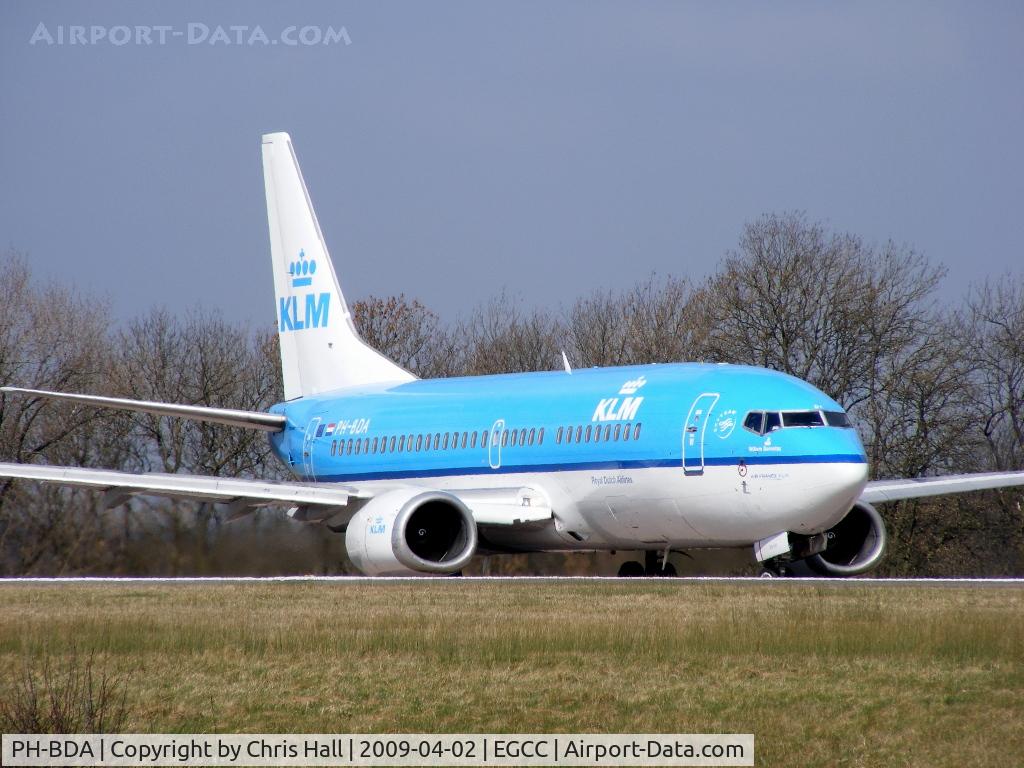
<point>993,341</point>
<point>200,360</point>
<point>822,306</point>
<point>50,338</point>
<point>408,333</point>
<point>502,337</point>
<point>656,321</point>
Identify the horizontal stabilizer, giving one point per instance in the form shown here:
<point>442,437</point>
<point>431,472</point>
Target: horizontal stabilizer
<point>268,422</point>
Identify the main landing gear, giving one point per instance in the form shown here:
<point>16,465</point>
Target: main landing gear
<point>654,565</point>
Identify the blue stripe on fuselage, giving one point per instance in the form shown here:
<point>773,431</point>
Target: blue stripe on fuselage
<point>585,466</point>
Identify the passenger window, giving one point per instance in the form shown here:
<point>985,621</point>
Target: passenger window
<point>625,432</point>
<point>754,422</point>
<point>597,433</point>
<point>589,430</point>
<point>568,435</point>
<point>607,432</point>
<point>515,437</point>
<point>771,421</point>
<point>437,440</point>
<point>540,437</point>
<point>393,444</point>
<point>366,445</point>
<point>348,449</point>
<point>504,438</point>
<point>445,443</point>
<point>558,436</point>
<point>401,443</point>
<point>618,431</point>
<point>472,439</point>
<point>465,439</point>
<point>522,436</point>
<point>483,438</point>
<point>358,442</point>
<point>636,431</point>
<point>334,447</point>
<point>533,435</point>
<point>419,442</point>
<point>579,434</point>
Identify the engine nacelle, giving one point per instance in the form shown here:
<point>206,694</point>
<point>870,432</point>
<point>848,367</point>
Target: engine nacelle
<point>855,545</point>
<point>411,531</point>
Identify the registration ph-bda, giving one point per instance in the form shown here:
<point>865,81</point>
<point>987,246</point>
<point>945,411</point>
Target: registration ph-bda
<point>52,748</point>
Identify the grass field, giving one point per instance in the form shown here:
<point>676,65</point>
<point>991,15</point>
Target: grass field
<point>822,675</point>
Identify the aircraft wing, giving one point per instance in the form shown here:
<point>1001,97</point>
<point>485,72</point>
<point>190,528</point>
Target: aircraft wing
<point>306,502</point>
<point>878,491</point>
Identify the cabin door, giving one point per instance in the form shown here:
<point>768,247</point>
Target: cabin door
<point>307,447</point>
<point>694,427</point>
<point>494,444</point>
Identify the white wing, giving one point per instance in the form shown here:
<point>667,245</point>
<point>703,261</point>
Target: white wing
<point>878,491</point>
<point>306,502</point>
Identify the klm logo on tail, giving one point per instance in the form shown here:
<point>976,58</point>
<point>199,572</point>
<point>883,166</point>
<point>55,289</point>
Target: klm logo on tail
<point>302,271</point>
<point>316,306</point>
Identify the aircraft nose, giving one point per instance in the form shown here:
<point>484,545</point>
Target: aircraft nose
<point>842,484</point>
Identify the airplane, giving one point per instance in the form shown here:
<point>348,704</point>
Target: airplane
<point>422,475</point>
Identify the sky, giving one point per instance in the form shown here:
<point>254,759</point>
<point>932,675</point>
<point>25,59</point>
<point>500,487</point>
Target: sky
<point>454,150</point>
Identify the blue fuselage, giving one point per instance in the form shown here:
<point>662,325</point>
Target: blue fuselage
<point>675,415</point>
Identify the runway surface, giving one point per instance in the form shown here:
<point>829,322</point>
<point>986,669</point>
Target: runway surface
<point>1015,582</point>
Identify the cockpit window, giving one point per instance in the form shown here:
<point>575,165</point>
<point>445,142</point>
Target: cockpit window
<point>837,419</point>
<point>763,422</point>
<point>802,419</point>
<point>754,421</point>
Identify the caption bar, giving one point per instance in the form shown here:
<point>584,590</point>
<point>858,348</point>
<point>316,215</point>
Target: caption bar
<point>254,749</point>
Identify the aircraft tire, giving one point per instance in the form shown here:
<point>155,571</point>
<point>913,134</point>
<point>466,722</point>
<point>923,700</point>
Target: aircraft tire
<point>630,569</point>
<point>668,571</point>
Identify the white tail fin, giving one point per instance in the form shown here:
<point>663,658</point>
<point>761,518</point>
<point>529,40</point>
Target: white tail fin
<point>320,349</point>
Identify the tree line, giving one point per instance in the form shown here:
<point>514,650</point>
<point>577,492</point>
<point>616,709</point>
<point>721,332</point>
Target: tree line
<point>934,387</point>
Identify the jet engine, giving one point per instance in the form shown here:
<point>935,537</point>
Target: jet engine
<point>855,545</point>
<point>411,531</point>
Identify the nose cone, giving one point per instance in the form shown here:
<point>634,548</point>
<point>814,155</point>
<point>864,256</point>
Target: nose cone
<point>842,485</point>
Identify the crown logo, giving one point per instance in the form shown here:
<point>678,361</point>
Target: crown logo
<point>631,386</point>
<point>302,270</point>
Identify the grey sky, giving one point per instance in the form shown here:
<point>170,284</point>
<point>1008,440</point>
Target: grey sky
<point>457,148</point>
